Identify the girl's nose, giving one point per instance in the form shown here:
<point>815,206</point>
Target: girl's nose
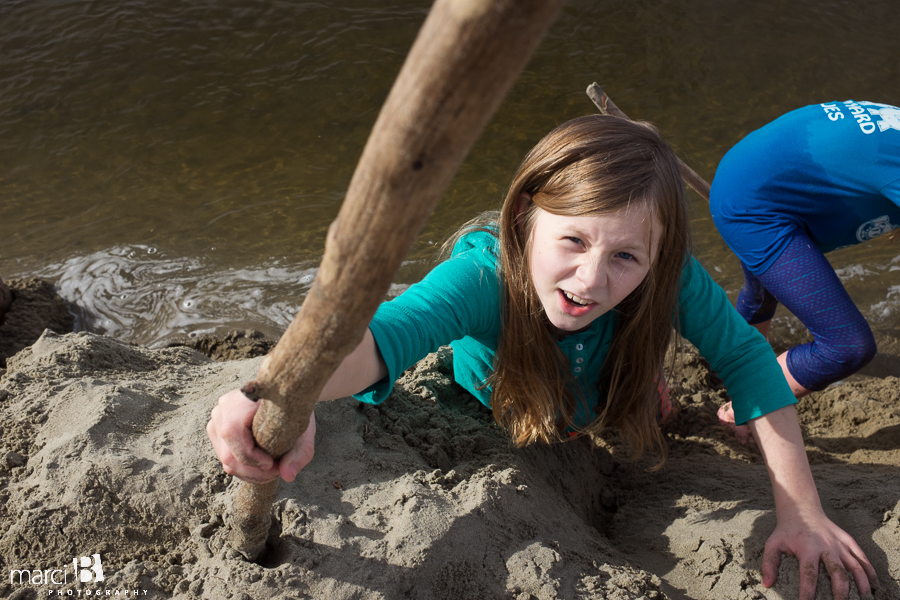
<point>592,274</point>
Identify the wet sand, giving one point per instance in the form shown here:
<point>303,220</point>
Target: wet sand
<point>104,451</point>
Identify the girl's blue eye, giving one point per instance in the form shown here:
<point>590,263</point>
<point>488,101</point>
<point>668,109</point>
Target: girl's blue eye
<point>625,255</point>
<point>576,240</point>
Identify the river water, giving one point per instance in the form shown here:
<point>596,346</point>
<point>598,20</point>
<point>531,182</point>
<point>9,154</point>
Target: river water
<point>172,166</point>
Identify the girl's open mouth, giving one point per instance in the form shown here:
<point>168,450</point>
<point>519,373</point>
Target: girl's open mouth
<point>572,298</point>
<point>574,305</point>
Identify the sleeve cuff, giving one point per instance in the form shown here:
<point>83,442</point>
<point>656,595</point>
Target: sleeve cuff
<point>380,390</point>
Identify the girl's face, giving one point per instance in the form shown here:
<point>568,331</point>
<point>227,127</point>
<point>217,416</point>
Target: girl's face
<point>582,267</point>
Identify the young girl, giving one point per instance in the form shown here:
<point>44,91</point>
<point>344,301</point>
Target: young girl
<point>559,316</point>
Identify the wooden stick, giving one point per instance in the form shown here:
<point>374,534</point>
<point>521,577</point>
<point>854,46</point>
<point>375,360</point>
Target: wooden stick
<point>465,58</point>
<point>608,107</point>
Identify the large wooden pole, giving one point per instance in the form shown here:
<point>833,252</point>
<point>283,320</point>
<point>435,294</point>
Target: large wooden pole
<point>606,106</point>
<point>464,60</point>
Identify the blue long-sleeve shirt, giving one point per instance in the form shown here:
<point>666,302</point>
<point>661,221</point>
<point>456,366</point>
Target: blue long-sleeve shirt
<point>830,170</point>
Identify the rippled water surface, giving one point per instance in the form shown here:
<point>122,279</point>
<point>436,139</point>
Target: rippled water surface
<point>173,166</point>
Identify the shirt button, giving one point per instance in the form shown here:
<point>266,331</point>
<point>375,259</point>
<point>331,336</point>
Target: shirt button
<point>578,369</point>
<point>579,360</point>
<point>579,347</point>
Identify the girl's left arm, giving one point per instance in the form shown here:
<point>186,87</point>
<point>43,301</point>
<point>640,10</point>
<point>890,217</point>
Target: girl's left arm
<point>762,398</point>
<point>803,529</point>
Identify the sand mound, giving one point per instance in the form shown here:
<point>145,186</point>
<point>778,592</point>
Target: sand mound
<point>104,452</point>
<point>417,498</point>
<point>702,522</point>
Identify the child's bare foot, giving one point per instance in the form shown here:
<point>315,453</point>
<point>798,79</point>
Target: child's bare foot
<point>741,432</point>
<point>5,299</point>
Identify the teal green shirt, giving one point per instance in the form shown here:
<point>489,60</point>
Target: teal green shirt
<point>458,303</point>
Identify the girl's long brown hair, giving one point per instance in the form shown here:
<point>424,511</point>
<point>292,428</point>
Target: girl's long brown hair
<point>591,165</point>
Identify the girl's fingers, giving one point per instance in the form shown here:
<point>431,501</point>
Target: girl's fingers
<point>726,413</point>
<point>852,562</point>
<point>231,434</point>
<point>229,431</point>
<point>301,454</point>
<point>741,432</point>
<point>770,562</point>
<point>862,571</point>
<point>816,543</point>
<point>809,578</point>
<point>840,578</point>
<point>840,572</point>
<point>242,445</point>
<point>215,440</point>
<point>871,577</point>
<point>250,474</point>
<point>232,466</point>
<point>234,422</point>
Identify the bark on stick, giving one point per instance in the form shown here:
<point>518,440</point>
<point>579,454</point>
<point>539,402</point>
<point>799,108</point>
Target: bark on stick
<point>608,107</point>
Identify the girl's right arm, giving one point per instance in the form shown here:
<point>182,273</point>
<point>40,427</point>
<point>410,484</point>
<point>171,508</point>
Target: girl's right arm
<point>459,297</point>
<point>230,424</point>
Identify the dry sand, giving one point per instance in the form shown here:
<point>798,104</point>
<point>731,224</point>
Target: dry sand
<point>104,451</point>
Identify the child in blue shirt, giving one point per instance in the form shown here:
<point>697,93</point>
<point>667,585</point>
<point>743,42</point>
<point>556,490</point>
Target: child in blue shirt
<point>821,177</point>
<point>560,312</point>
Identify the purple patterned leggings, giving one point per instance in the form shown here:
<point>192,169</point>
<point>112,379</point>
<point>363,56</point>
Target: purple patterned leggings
<point>806,284</point>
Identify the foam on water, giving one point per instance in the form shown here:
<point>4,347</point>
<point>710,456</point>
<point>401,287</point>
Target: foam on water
<point>139,294</point>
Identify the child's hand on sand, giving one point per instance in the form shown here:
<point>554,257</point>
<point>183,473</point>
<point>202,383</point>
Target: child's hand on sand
<point>812,538</point>
<point>741,432</point>
<point>803,529</point>
<point>230,431</point>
